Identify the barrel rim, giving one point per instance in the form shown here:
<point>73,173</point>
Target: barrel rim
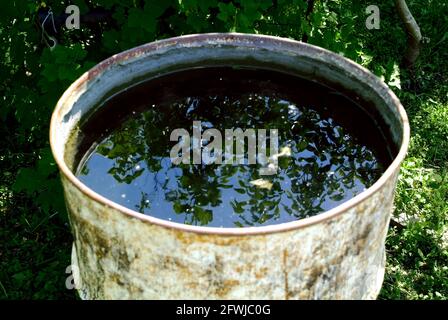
<point>232,38</point>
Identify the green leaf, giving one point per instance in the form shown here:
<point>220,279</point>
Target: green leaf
<point>227,11</point>
<point>202,215</point>
<point>241,191</point>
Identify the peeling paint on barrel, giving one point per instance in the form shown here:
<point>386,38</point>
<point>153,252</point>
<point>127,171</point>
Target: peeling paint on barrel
<point>123,254</point>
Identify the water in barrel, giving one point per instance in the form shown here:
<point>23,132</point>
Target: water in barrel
<point>231,147</point>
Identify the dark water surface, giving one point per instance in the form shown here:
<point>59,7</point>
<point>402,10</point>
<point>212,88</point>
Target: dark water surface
<point>332,150</point>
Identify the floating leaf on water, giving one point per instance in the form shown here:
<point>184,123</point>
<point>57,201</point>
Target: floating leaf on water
<point>262,183</point>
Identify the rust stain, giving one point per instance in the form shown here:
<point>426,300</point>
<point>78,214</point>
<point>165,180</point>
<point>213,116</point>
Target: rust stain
<point>124,263</point>
<point>91,236</point>
<point>313,275</point>
<point>192,285</point>
<point>190,238</point>
<point>172,263</point>
<point>224,287</point>
<point>285,272</point>
<point>116,278</point>
<point>261,273</point>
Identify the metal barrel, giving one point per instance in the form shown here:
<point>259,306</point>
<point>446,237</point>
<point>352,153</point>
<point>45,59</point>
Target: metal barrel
<point>122,254</point>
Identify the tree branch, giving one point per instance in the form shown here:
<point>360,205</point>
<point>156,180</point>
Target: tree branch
<point>413,32</point>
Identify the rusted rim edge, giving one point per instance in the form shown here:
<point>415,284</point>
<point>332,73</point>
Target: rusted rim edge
<point>288,226</point>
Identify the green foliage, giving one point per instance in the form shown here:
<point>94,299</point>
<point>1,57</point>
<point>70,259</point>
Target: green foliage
<point>28,62</point>
<point>34,237</point>
<point>418,254</point>
<point>41,181</point>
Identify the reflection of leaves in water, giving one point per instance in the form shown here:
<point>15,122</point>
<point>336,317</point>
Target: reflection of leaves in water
<point>145,203</point>
<point>326,163</point>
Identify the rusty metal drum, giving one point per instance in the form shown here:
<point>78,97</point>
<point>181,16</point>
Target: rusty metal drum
<point>122,254</point>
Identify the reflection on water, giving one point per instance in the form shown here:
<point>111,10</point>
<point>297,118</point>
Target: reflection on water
<point>130,164</point>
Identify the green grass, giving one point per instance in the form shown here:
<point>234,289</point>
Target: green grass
<point>417,256</point>
<point>35,244</point>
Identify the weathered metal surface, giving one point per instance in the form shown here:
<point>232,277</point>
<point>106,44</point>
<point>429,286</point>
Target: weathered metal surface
<point>123,254</point>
